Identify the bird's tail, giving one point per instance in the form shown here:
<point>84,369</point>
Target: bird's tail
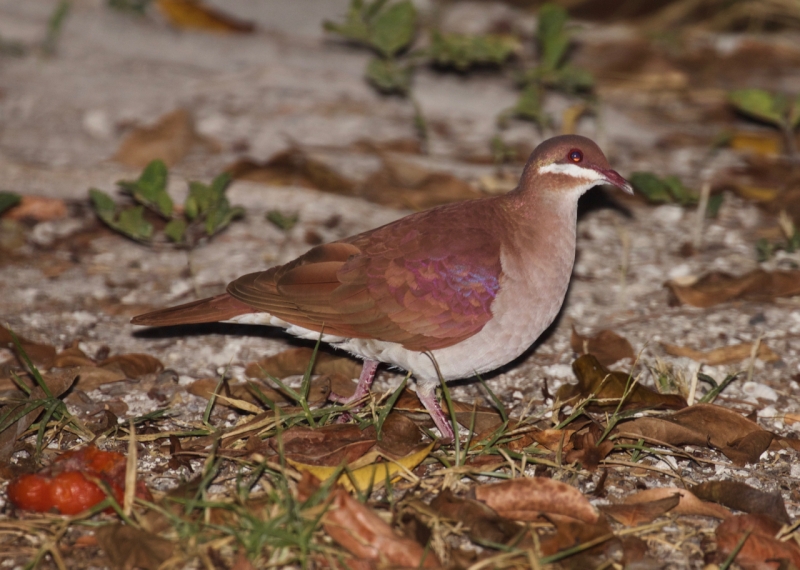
<point>210,310</point>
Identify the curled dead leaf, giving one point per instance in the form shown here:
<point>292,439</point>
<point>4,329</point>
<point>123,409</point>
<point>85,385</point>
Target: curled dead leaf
<point>528,497</point>
<point>689,504</point>
<point>717,287</point>
<point>132,365</point>
<point>37,208</point>
<point>761,549</point>
<point>633,514</point>
<point>743,497</point>
<point>607,346</point>
<point>169,139</point>
<point>704,425</point>
<point>609,386</point>
<point>363,533</point>
<point>724,354</point>
<point>194,14</point>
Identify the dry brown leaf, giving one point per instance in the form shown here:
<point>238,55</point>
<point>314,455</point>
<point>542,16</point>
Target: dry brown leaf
<point>360,530</point>
<point>293,167</point>
<point>704,425</point>
<point>758,142</point>
<point>743,497</point>
<point>42,355</point>
<point>607,346</point>
<point>585,449</point>
<point>609,386</point>
<point>295,361</point>
<point>133,365</point>
<point>528,497</point>
<point>634,514</point>
<point>91,377</point>
<point>329,445</point>
<point>37,208</point>
<point>193,14</point>
<point>555,439</point>
<point>170,139</point>
<point>403,184</point>
<point>717,287</point>
<point>72,356</point>
<point>761,550</point>
<point>689,504</point>
<point>483,524</point>
<point>128,547</point>
<point>724,354</point>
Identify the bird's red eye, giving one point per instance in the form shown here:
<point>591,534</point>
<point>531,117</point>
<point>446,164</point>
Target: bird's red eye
<point>575,155</point>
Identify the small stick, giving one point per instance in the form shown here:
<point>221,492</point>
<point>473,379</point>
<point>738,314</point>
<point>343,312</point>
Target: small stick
<point>697,237</point>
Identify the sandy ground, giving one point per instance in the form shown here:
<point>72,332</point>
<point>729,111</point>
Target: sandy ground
<point>63,116</point>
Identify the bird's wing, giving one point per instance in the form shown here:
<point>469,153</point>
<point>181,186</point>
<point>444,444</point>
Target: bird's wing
<point>423,285</point>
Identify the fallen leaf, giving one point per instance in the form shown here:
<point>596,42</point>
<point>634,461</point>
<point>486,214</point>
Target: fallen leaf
<point>608,387</point>
<point>717,287</point>
<point>132,365</point>
<point>724,354</point>
<point>72,356</point>
<point>482,523</point>
<point>128,547</point>
<point>329,445</point>
<point>169,139</point>
<point>193,14</point>
<point>363,533</point>
<point>295,361</point>
<point>634,514</point>
<point>38,208</point>
<point>92,377</point>
<point>528,497</point>
<point>585,449</point>
<point>42,355</point>
<point>607,346</point>
<point>761,549</point>
<point>704,425</point>
<point>743,497</point>
<point>689,504</point>
<point>372,475</point>
<point>769,144</point>
<point>293,167</point>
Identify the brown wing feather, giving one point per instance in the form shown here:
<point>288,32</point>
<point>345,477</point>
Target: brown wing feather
<point>426,281</point>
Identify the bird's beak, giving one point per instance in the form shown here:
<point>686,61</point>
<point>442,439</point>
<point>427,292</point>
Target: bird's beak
<point>613,178</point>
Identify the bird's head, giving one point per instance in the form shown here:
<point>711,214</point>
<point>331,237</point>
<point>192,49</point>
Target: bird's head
<point>569,165</point>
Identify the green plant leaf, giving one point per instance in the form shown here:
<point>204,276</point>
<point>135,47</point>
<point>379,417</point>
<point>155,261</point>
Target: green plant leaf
<point>393,28</point>
<point>176,230</point>
<point>462,51</point>
<point>131,222</point>
<point>759,104</point>
<point>103,205</point>
<point>680,193</point>
<point>651,186</point>
<point>150,189</point>
<point>572,79</point>
<point>355,25</point>
<point>529,105</point>
<point>221,216</point>
<point>552,37</point>
<point>283,221</point>
<point>389,77</point>
<point>199,200</point>
<point>8,200</point>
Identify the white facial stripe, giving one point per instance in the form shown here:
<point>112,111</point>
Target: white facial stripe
<point>571,170</point>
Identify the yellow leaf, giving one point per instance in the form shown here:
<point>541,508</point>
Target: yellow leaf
<point>196,15</point>
<point>757,194</point>
<point>764,144</point>
<point>373,475</point>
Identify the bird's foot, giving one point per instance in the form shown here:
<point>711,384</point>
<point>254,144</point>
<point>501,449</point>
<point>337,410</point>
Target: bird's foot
<point>428,399</point>
<point>362,389</point>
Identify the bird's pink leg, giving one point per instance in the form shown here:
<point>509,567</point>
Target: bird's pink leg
<point>364,384</point>
<point>428,398</point>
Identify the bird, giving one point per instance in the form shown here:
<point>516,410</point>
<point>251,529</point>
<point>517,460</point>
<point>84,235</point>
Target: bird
<point>446,293</point>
